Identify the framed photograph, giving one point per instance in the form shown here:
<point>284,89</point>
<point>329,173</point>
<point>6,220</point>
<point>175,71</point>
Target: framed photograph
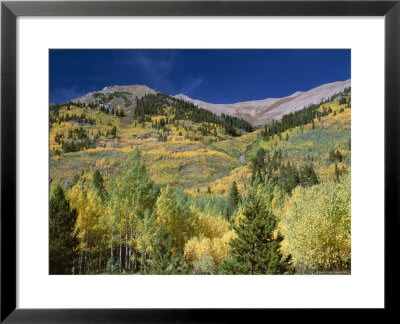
<point>163,158</point>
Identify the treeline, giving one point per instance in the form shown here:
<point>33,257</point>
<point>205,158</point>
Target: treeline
<point>104,98</point>
<point>297,118</point>
<point>155,104</point>
<point>103,108</point>
<point>55,117</point>
<point>204,128</point>
<point>55,108</point>
<point>302,117</point>
<point>116,112</point>
<point>82,119</point>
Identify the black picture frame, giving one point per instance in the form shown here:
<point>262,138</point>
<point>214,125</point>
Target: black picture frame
<point>10,10</point>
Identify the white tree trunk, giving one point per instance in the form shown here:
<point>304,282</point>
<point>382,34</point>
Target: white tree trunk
<point>130,251</point>
<point>126,248</point>
<point>120,251</point>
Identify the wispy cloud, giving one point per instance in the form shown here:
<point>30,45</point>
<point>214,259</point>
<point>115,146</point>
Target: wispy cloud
<point>157,68</point>
<point>190,85</point>
<point>162,70</point>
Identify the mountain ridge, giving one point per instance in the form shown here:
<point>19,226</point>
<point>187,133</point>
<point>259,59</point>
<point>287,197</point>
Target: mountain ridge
<point>261,112</point>
<point>111,96</point>
<point>257,112</point>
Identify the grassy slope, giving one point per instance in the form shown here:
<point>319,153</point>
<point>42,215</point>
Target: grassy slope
<point>209,161</point>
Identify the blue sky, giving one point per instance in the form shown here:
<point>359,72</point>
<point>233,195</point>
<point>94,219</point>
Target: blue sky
<point>216,76</point>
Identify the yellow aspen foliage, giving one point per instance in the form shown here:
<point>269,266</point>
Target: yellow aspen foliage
<point>196,248</point>
<point>212,226</point>
<point>217,248</point>
<point>328,172</point>
<point>220,247</point>
<point>89,207</point>
<point>106,224</point>
<point>239,215</point>
<point>241,175</point>
<point>316,224</point>
<point>143,241</point>
<point>214,235</point>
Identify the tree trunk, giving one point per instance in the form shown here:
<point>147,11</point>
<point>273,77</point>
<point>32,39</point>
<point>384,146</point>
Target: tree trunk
<point>80,262</point>
<point>112,259</point>
<point>135,259</point>
<point>85,263</point>
<point>130,251</point>
<point>120,251</point>
<point>126,247</point>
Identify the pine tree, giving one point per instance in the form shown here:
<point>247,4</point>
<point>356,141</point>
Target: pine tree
<point>227,213</point>
<point>339,156</point>
<point>234,196</point>
<point>63,242</point>
<point>161,253</point>
<point>174,213</point>
<point>255,250</point>
<point>173,226</point>
<point>313,176</point>
<point>98,183</point>
<point>258,166</point>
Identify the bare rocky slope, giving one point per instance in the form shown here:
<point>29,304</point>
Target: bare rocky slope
<point>257,112</point>
<point>112,96</point>
<point>261,112</point>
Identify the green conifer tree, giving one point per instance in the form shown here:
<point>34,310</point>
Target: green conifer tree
<point>255,250</point>
<point>98,183</point>
<point>313,176</point>
<point>234,196</point>
<point>161,253</point>
<point>338,156</point>
<point>166,255</point>
<point>63,242</point>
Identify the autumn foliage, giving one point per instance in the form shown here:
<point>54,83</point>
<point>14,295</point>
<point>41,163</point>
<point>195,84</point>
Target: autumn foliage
<point>169,189</point>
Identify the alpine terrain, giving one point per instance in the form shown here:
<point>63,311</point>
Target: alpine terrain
<point>143,182</point>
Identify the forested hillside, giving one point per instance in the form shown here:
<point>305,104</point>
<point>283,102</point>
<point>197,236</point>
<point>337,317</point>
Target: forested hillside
<point>165,187</point>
